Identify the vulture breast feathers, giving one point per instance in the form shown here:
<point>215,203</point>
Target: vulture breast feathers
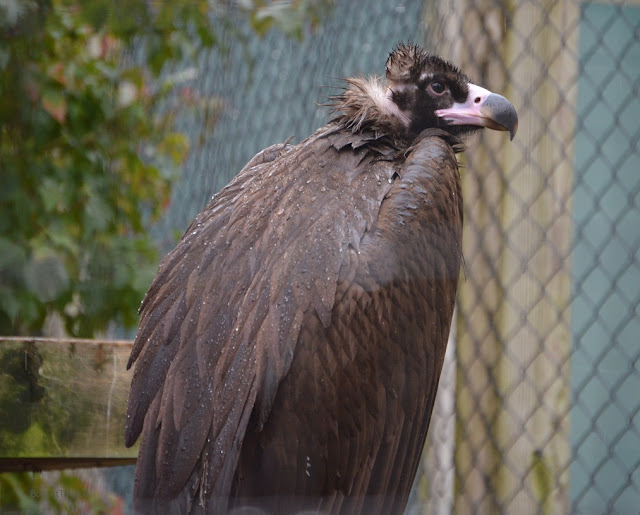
<point>290,346</point>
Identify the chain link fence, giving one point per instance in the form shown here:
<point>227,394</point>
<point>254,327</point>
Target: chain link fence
<point>539,403</point>
<point>545,398</point>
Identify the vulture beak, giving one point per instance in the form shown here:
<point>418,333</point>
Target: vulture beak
<point>484,109</point>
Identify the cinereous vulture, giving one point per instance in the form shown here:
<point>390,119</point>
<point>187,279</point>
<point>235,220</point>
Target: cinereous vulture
<point>290,346</point>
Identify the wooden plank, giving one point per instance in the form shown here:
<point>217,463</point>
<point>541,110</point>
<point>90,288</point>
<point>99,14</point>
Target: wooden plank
<point>63,399</point>
<point>40,464</point>
<point>535,317</point>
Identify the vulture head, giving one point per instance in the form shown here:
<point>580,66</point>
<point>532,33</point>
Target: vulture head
<point>423,91</point>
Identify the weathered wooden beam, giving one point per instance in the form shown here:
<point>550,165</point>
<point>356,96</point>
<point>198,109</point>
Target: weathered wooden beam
<point>63,402</point>
<point>40,464</point>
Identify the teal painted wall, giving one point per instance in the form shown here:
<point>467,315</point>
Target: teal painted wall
<point>605,366</point>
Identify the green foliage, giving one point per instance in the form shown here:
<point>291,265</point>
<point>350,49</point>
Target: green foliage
<point>62,492</point>
<point>542,480</point>
<point>76,193</point>
<point>86,156</point>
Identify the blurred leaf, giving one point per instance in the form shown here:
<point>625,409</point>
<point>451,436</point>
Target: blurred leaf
<point>46,276</point>
<point>55,104</point>
<point>12,10</point>
<point>17,492</point>
<point>174,145</point>
<point>11,255</point>
<point>4,58</point>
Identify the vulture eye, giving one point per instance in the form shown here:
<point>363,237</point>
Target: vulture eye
<point>437,87</point>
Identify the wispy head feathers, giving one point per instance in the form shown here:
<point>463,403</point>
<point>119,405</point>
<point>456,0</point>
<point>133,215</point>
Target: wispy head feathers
<point>365,104</point>
<point>408,62</point>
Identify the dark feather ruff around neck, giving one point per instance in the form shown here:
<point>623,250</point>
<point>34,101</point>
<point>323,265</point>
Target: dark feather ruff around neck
<point>358,109</point>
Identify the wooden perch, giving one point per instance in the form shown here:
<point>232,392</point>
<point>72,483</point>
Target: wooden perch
<point>62,403</point>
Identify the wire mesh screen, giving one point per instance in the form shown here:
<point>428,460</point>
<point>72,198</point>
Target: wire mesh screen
<point>539,404</point>
<point>547,389</point>
<point>270,89</point>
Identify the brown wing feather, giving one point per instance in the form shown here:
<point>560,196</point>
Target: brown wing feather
<point>220,323</point>
<point>350,418</point>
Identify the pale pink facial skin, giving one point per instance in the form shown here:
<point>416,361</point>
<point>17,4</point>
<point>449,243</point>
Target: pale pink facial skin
<point>484,109</point>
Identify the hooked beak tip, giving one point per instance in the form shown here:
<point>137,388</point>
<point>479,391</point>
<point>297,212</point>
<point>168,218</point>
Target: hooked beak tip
<point>482,109</point>
<point>502,113</point>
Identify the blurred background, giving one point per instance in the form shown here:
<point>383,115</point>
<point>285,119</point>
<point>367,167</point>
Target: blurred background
<point>120,120</point>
